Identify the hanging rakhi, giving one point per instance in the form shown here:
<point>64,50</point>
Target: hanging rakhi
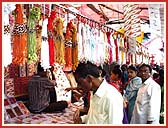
<point>19,38</point>
<point>115,35</point>
<point>68,46</point>
<point>109,46</point>
<point>74,48</point>
<point>59,41</point>
<point>39,34</point>
<point>50,31</point>
<point>107,54</point>
<point>34,15</point>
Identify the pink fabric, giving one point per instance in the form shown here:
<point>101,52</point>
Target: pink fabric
<point>115,42</point>
<point>110,50</point>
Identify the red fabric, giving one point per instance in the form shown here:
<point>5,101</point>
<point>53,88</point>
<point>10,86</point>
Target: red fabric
<point>115,85</point>
<point>115,42</point>
<point>158,80</point>
<point>21,85</point>
<point>51,50</point>
<point>68,48</point>
<point>118,85</point>
<point>19,40</point>
<point>50,38</point>
<point>13,70</point>
<point>110,50</point>
<point>128,58</point>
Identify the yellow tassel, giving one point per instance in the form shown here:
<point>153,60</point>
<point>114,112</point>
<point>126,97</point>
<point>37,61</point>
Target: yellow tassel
<point>59,41</point>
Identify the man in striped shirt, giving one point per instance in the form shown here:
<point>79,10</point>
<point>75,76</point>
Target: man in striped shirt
<point>38,90</point>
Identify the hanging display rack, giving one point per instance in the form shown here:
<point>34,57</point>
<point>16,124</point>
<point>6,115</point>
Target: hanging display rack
<point>103,27</point>
<point>88,20</point>
<point>84,19</point>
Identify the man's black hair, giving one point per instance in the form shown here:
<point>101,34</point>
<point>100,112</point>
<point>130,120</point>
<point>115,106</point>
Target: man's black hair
<point>93,70</point>
<point>88,68</point>
<point>81,70</point>
<point>40,68</point>
<point>146,65</point>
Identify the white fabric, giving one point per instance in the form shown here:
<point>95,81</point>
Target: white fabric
<point>45,47</point>
<point>62,83</point>
<point>113,49</point>
<point>8,8</point>
<point>100,48</point>
<point>7,55</point>
<point>91,44</point>
<point>106,106</point>
<point>80,39</point>
<point>87,45</point>
<point>148,102</point>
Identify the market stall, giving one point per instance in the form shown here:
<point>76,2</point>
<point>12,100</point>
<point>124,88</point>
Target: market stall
<point>15,112</point>
<point>56,35</point>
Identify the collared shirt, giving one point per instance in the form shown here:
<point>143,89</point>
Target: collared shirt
<point>38,91</point>
<point>148,102</point>
<point>106,106</point>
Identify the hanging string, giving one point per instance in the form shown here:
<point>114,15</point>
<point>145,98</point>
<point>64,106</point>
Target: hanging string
<point>58,12</point>
<point>82,16</point>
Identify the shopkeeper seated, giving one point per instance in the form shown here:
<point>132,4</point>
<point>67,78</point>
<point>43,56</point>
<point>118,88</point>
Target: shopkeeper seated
<point>38,91</point>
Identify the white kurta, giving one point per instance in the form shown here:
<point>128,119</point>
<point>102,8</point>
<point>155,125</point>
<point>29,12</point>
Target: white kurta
<point>106,106</point>
<point>148,102</point>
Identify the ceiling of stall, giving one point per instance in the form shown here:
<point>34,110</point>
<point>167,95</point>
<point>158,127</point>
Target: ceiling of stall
<point>113,14</point>
<point>108,13</point>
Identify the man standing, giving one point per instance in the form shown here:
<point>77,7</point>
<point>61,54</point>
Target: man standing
<point>148,101</point>
<point>106,103</point>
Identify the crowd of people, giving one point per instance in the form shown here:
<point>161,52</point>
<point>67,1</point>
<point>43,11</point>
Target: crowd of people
<point>129,95</point>
<point>141,95</point>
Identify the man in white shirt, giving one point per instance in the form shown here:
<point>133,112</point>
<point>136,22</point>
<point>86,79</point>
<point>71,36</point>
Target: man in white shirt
<point>148,101</point>
<point>106,103</point>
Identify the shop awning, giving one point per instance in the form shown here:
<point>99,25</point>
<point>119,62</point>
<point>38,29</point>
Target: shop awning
<point>108,13</point>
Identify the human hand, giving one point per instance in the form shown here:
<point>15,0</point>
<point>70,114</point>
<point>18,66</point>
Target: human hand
<point>67,89</point>
<point>125,103</point>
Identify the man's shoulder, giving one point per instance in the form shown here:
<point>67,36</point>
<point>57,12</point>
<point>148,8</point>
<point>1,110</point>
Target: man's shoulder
<point>153,83</point>
<point>34,77</point>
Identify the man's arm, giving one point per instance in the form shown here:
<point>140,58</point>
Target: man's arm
<point>50,84</point>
